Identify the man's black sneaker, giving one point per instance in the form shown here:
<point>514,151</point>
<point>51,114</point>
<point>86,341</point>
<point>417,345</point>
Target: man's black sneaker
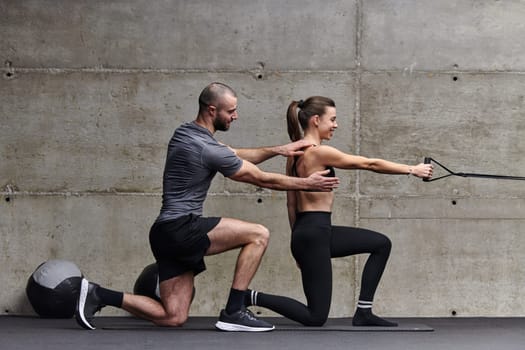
<point>242,321</point>
<point>88,304</point>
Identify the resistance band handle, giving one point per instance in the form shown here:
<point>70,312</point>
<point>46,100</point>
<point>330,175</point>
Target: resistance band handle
<point>427,161</point>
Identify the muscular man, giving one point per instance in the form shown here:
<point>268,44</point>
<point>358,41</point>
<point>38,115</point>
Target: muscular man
<point>181,236</point>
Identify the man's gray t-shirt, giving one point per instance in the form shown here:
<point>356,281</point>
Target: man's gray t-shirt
<point>193,159</point>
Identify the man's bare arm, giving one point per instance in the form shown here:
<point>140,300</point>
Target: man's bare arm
<point>259,155</point>
<point>316,182</point>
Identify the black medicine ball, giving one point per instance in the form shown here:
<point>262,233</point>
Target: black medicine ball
<point>53,289</point>
<point>148,282</point>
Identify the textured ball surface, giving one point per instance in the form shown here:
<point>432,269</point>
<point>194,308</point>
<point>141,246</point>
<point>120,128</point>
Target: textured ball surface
<point>53,289</point>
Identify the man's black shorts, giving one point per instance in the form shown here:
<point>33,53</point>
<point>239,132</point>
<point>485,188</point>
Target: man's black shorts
<point>179,245</point>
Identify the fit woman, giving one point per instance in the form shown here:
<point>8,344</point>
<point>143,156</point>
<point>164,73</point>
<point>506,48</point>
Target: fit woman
<point>314,239</point>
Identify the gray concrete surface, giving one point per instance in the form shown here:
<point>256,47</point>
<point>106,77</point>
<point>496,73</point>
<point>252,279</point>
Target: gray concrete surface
<point>91,92</point>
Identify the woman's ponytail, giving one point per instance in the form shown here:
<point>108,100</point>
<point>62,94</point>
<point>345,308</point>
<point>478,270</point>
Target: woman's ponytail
<point>292,118</point>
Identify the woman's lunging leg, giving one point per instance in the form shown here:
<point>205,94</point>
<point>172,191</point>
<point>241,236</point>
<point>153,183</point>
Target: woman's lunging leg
<point>349,241</point>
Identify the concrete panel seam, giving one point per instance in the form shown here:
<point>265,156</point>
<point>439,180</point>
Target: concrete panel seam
<point>80,194</point>
<point>357,138</point>
<point>358,70</point>
<point>55,70</point>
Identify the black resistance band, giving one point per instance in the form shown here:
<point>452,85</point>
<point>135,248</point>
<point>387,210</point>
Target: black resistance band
<point>429,160</point>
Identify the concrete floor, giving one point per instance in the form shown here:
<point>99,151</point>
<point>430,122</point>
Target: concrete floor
<point>128,333</point>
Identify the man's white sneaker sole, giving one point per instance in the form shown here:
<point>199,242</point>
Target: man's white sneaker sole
<point>84,288</point>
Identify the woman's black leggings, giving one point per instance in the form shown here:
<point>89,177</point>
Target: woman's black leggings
<point>314,242</point>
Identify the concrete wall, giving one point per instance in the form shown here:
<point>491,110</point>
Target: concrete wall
<point>91,92</point>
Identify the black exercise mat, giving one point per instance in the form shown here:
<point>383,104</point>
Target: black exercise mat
<point>281,324</point>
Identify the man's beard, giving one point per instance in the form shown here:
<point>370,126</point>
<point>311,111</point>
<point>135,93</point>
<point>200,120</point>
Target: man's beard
<point>221,125</point>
